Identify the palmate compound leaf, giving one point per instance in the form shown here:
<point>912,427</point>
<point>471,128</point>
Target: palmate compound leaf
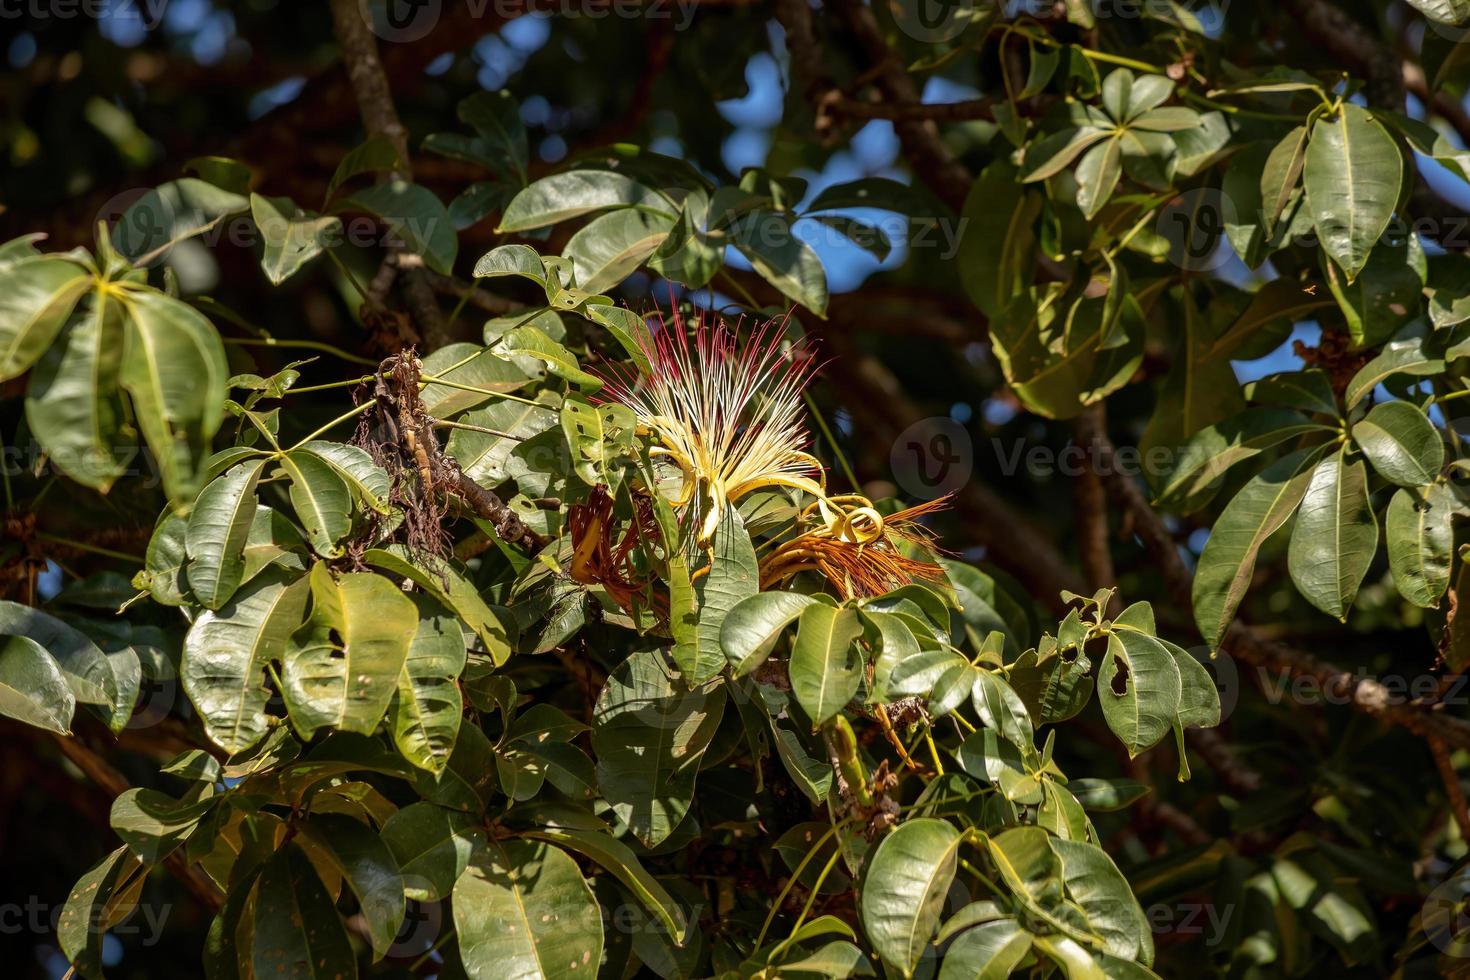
<point>226,653</point>
<point>522,909</point>
<point>342,667</point>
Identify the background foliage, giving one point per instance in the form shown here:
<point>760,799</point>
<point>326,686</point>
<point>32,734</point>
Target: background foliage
<point>318,657</point>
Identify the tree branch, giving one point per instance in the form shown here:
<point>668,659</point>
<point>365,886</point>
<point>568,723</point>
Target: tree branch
<point>380,118</point>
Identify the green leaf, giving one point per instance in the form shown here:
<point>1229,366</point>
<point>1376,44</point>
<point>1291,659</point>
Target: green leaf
<point>1309,390</point>
<point>1280,174</point>
<point>1352,172</point>
<point>367,480</point>
<point>171,213</point>
<point>869,237</point>
<point>425,712</point>
<point>1387,294</point>
<point>753,625</point>
<point>529,341</point>
<point>1107,795</point>
<point>448,584</point>
<point>321,500</point>
<point>295,930</point>
<point>1138,685</point>
<point>1452,12</point>
<point>1335,537</point>
<point>103,897</point>
<point>226,652</point>
<point>733,576</point>
<point>483,456</point>
<point>218,527</point>
<point>1401,443</point>
<point>416,215</point>
<point>573,193</point>
<point>522,909</point>
<point>369,869</point>
<point>1213,450</point>
<point>611,246</point>
<point>288,243</point>
<point>173,366</point>
<point>780,258</point>
<point>1421,542</point>
<point>342,667</point>
<point>1097,174</point>
<point>74,405</point>
<point>1229,556</point>
<point>600,437</point>
<point>376,155</point>
<point>998,238</point>
<point>87,670</point>
<point>873,192</point>
<point>154,824</point>
<point>1096,885</point>
<point>614,856</point>
<point>496,118</point>
<point>648,734</point>
<point>432,846</point>
<point>1053,154</point>
<point>33,689</point>
<point>1411,353</point>
<point>987,952</point>
<point>511,260</point>
<point>461,364</point>
<point>826,664</point>
<point>904,889</point>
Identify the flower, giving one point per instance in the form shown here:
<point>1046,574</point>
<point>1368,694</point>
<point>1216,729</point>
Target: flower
<point>856,548</point>
<point>727,414</point>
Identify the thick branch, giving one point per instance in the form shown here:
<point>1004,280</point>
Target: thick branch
<point>380,118</point>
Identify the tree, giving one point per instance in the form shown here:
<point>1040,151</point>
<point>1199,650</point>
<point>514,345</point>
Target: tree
<point>472,514</point>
